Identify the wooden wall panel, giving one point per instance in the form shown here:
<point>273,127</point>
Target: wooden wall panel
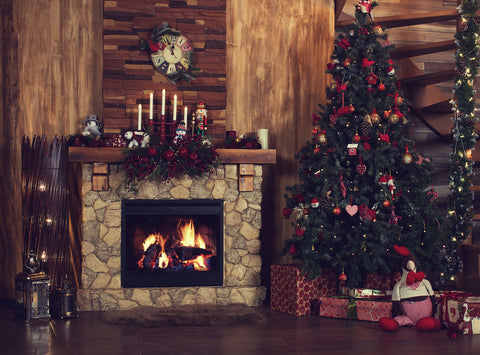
<point>129,76</point>
<point>59,65</point>
<point>277,52</point>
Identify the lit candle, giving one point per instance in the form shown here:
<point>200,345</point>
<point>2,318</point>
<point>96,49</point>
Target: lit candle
<point>263,137</point>
<point>185,114</point>
<point>174,108</point>
<point>163,102</point>
<point>139,117</point>
<point>150,116</point>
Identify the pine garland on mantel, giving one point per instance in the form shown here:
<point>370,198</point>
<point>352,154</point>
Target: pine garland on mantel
<point>460,209</point>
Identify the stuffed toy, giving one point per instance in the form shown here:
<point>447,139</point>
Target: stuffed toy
<point>413,298</point>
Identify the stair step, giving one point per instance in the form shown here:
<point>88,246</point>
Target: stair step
<point>431,78</point>
<point>409,19</point>
<point>421,49</point>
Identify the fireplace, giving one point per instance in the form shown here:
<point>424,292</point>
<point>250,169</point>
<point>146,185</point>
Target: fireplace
<point>169,243</point>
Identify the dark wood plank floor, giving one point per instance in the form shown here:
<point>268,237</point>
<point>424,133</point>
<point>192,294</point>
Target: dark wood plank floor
<point>283,334</point>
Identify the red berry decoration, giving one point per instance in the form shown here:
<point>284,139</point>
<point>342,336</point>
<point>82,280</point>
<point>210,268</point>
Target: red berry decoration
<point>194,156</point>
<point>337,211</point>
<point>168,155</point>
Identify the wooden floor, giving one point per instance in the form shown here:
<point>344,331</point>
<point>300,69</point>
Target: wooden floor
<point>283,334</point>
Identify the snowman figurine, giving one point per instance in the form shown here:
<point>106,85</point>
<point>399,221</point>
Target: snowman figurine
<point>413,298</point>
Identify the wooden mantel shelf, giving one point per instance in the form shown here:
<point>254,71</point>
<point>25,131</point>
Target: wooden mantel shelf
<point>227,156</point>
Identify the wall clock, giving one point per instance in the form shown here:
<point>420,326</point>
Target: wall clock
<point>171,53</point>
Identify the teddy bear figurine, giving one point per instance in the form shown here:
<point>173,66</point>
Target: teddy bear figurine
<point>413,298</point>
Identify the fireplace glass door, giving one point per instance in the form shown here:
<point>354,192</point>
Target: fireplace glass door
<point>172,243</point>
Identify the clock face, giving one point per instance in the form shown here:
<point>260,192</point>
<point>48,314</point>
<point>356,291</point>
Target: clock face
<point>175,54</point>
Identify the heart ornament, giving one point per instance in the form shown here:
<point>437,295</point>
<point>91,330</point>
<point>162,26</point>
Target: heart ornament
<point>351,209</point>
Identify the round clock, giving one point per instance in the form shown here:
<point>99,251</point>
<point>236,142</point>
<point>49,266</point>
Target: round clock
<point>174,56</point>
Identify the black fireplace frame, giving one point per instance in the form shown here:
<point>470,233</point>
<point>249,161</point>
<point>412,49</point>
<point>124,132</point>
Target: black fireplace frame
<point>159,278</point>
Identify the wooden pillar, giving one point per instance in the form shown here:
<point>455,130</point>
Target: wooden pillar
<point>277,52</point>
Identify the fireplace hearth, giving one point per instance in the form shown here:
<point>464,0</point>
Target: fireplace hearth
<point>167,243</point>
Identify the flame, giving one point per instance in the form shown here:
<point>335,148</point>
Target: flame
<point>163,260</point>
<point>151,239</point>
<point>188,235</point>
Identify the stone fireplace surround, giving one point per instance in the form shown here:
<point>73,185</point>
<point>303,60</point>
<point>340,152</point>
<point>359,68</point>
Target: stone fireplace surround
<point>101,288</point>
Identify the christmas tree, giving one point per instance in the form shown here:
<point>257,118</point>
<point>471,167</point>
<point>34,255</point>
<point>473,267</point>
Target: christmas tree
<point>363,186</point>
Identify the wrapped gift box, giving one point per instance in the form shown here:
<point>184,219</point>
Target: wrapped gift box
<point>377,281</point>
<point>114,141</point>
<point>442,298</point>
<point>293,293</point>
<point>335,307</point>
<point>461,312</point>
<point>362,309</point>
<point>366,293</point>
<point>373,310</point>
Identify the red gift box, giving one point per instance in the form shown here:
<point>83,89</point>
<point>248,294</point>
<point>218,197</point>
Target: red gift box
<point>293,293</point>
<point>373,310</point>
<point>442,298</point>
<point>334,307</point>
<point>377,281</point>
<point>460,311</point>
<point>351,308</point>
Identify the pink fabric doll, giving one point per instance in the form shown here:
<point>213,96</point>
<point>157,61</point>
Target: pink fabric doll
<point>413,298</point>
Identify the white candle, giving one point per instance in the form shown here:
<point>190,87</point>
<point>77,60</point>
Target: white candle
<point>139,117</point>
<point>150,116</point>
<point>163,102</point>
<point>263,137</point>
<point>185,114</point>
<point>174,107</point>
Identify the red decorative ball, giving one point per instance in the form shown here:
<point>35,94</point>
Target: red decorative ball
<point>386,203</point>
<point>183,152</point>
<point>168,155</point>
<point>407,158</point>
<point>342,277</point>
<point>293,249</point>
<point>337,211</point>
<point>381,86</point>
<point>306,211</point>
<point>356,138</point>
<point>152,151</point>
<point>194,156</point>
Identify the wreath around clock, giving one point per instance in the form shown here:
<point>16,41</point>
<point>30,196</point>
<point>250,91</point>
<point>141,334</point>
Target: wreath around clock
<point>171,53</point>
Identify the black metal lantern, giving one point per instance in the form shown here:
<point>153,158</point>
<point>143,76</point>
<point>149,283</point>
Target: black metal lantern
<point>32,292</point>
<point>66,300</point>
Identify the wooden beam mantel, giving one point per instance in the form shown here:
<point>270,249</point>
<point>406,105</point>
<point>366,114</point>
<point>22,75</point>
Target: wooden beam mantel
<point>117,155</point>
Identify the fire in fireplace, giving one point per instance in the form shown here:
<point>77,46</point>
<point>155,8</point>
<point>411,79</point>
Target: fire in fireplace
<point>172,243</point>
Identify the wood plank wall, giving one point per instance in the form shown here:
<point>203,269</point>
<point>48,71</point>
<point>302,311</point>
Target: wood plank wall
<point>51,75</point>
<point>277,52</point>
<point>129,76</point>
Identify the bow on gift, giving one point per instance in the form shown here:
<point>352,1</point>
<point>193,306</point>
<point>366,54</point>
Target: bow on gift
<point>413,277</point>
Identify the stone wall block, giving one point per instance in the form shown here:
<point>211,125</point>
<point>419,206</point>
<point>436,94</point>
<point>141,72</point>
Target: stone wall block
<point>107,302</point>
<point>232,219</point>
<point>180,192</point>
<point>126,304</point>
<point>94,264</point>
<point>254,246</point>
<point>231,172</point>
<point>101,281</point>
<point>220,186</point>
<point>249,232</point>
<point>113,218</point>
<point>113,236</point>
<point>205,295</point>
<point>142,297</point>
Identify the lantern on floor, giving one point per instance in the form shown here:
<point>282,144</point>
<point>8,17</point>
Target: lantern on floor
<point>32,292</point>
<point>66,299</point>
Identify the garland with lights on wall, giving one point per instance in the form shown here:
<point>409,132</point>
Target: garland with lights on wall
<point>460,208</point>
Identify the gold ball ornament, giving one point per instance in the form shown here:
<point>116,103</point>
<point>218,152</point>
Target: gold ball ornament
<point>407,158</point>
<point>399,100</point>
<point>375,118</point>
<point>333,86</point>
<point>393,118</point>
<point>377,29</point>
<point>322,138</point>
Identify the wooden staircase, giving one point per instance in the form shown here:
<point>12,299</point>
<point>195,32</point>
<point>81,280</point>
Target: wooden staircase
<point>428,102</point>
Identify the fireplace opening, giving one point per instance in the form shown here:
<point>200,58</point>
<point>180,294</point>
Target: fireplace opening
<point>172,243</point>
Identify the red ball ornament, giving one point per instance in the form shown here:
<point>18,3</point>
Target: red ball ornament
<point>386,203</point>
<point>152,151</point>
<point>293,249</point>
<point>337,211</point>
<point>375,117</point>
<point>342,277</point>
<point>316,150</point>
<point>356,138</point>
<point>347,62</point>
<point>381,86</point>
<point>168,155</point>
<point>183,152</point>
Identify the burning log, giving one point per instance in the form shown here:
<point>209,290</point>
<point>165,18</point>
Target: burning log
<point>150,256</point>
<point>189,253</point>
